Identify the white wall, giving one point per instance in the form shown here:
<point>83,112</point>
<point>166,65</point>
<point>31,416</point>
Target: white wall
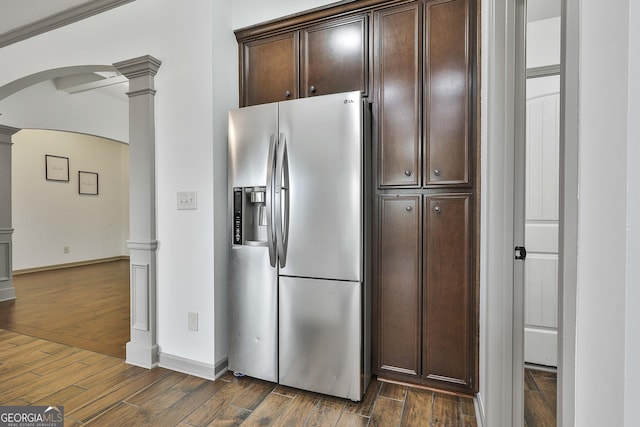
<point>251,12</point>
<point>602,226</point>
<point>50,215</point>
<point>182,38</point>
<point>543,42</point>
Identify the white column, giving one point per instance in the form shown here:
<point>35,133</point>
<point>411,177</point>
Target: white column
<point>142,349</point>
<point>7,291</point>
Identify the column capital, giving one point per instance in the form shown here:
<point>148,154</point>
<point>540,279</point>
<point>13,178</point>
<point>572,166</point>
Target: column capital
<point>5,134</point>
<point>145,65</point>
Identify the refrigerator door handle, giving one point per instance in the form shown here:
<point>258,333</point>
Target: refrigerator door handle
<point>269,202</point>
<point>282,200</point>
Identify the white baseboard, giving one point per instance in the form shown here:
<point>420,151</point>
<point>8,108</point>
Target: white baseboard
<point>71,264</point>
<point>479,406</point>
<point>192,367</point>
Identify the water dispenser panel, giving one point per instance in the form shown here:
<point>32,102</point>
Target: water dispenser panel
<point>237,216</point>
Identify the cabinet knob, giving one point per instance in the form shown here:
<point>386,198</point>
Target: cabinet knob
<point>407,172</point>
<point>287,94</point>
<point>312,89</point>
<point>436,172</point>
<point>409,208</point>
<point>437,209</point>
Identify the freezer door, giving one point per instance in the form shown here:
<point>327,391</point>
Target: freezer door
<point>253,314</point>
<point>323,137</point>
<point>250,131</point>
<point>321,336</point>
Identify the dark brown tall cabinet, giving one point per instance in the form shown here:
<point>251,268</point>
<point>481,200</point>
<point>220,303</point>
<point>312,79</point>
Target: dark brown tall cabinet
<point>424,89</point>
<point>417,63</point>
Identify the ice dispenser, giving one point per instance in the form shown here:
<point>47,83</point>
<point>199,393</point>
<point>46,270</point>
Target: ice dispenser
<point>249,216</point>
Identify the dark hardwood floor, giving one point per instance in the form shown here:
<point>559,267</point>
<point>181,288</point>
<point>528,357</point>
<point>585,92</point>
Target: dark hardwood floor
<point>57,343</point>
<point>101,390</point>
<point>540,397</point>
<point>85,307</point>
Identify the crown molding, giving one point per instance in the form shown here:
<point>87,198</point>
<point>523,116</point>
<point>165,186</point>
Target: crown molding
<point>58,20</point>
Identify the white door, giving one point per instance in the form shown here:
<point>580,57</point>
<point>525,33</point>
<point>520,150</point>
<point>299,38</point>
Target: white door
<point>541,220</point>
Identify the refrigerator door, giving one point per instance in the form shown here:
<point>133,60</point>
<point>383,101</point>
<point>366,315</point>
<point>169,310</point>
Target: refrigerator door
<point>324,137</point>
<point>321,336</point>
<point>253,298</point>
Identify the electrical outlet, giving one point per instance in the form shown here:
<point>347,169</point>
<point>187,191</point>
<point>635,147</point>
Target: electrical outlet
<point>65,249</point>
<point>193,321</point>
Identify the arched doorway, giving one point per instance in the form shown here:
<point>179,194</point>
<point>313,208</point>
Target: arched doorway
<point>142,349</point>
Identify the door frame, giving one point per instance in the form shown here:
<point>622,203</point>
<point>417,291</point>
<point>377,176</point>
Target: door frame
<point>568,214</point>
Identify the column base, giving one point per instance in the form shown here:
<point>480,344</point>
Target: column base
<point>142,355</point>
<point>8,294</point>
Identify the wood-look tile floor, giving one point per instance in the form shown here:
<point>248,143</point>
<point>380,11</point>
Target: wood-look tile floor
<point>540,397</point>
<point>85,307</point>
<point>101,390</point>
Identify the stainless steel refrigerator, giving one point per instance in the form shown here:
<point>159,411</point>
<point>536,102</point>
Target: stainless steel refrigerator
<point>299,287</point>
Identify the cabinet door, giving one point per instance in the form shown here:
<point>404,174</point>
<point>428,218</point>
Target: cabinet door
<point>335,57</point>
<point>397,82</point>
<point>270,69</point>
<point>448,302</point>
<point>447,87</point>
<point>399,291</point>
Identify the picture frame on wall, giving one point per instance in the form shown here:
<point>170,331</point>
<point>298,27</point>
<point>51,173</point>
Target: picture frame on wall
<point>88,183</point>
<point>56,168</point>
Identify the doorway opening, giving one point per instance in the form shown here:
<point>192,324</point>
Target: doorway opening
<point>77,217</point>
<point>541,139</point>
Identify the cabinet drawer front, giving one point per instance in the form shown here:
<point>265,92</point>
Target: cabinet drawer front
<point>270,69</point>
<point>448,335</point>
<point>335,57</point>
<point>447,87</point>
<point>397,85</point>
<point>399,284</point>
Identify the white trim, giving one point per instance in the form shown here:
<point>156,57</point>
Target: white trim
<point>497,242</point>
<point>191,367</point>
<point>479,410</point>
<point>149,245</point>
<point>142,355</point>
<point>58,20</point>
<point>568,230</point>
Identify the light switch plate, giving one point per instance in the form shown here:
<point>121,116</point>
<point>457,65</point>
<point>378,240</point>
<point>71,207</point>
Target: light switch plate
<point>187,200</point>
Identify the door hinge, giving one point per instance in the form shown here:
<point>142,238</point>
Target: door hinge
<point>521,253</point>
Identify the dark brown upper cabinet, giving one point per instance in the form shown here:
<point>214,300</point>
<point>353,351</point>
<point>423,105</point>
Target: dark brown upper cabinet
<point>334,57</point>
<point>269,69</point>
<point>319,59</point>
<point>398,65</point>
<point>422,83</point>
<point>447,93</point>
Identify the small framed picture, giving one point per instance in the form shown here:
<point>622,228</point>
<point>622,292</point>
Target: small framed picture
<point>56,168</point>
<point>87,182</point>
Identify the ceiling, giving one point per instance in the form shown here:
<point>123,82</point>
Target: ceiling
<point>18,13</point>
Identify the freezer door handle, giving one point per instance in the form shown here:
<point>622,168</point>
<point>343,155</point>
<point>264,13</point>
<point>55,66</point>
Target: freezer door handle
<point>269,202</point>
<point>282,200</point>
